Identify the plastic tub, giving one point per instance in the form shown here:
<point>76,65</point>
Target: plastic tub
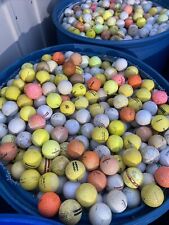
<point>153,50</point>
<point>13,219</point>
<point>26,202</point>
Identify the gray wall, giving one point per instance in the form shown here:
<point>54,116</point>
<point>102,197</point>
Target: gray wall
<point>26,26</point>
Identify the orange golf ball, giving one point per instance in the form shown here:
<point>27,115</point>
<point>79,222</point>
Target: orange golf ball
<point>8,152</point>
<point>91,160</point>
<point>94,84</point>
<point>135,81</point>
<point>49,204</point>
<point>58,57</point>
<point>162,176</point>
<point>75,149</point>
<point>127,114</point>
<point>97,179</point>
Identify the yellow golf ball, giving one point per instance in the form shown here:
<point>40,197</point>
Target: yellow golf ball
<point>75,170</point>
<point>100,134</point>
<point>117,127</point>
<point>96,109</point>
<point>67,108</point>
<point>27,65</point>
<point>54,100</point>
<point>78,90</point>
<point>59,165</point>
<point>70,212</point>
<point>160,123</point>
<point>86,195</point>
<point>131,70</point>
<point>81,102</point>
<point>148,84</point>
<point>19,83</point>
<point>42,76</point>
<point>3,91</point>
<point>110,87</point>
<point>122,166</point>
<point>135,103</point>
<point>59,78</point>
<point>32,158</point>
<point>107,14</point>
<point>27,74</point>
<point>101,77</point>
<point>114,143</point>
<point>163,109</point>
<point>48,182</point>
<point>29,179</point>
<point>132,141</point>
<point>152,195</point>
<point>23,100</point>
<point>26,112</point>
<point>131,157</point>
<point>50,149</point>
<point>143,94</point>
<point>141,22</point>
<point>92,96</point>
<point>132,177</point>
<point>46,57</point>
<point>39,137</point>
<point>12,93</point>
<point>126,90</point>
<point>2,101</point>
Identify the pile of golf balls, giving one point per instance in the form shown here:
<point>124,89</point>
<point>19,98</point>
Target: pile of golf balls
<point>85,133</point>
<point>115,19</point>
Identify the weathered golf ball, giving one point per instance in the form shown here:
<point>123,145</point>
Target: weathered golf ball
<point>114,182</point>
<point>73,126</point>
<point>23,139</point>
<point>70,212</point>
<point>133,197</point>
<point>45,111</point>
<point>117,201</point>
<point>164,157</point>
<point>100,214</point>
<point>58,119</point>
<point>143,117</point>
<point>69,189</point>
<point>16,126</point>
<point>86,194</point>
<point>150,154</point>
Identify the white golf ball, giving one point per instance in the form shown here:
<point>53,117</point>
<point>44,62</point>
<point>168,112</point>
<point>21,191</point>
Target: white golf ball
<point>83,116</point>
<point>117,201</point>
<point>10,108</point>
<point>58,119</point>
<point>64,87</point>
<point>133,197</point>
<point>86,129</point>
<point>69,189</point>
<point>101,120</point>
<point>100,214</point>
<point>45,111</point>
<point>17,125</point>
<point>143,117</point>
<point>115,182</point>
<point>73,126</point>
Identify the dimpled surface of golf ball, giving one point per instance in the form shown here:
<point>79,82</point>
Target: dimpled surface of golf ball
<point>91,131</point>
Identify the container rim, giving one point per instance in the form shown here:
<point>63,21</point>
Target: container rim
<point>13,194</point>
<point>56,17</point>
<point>25,219</point>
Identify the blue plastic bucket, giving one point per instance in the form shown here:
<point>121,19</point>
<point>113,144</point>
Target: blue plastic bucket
<point>25,202</point>
<point>153,50</point>
<point>13,219</point>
